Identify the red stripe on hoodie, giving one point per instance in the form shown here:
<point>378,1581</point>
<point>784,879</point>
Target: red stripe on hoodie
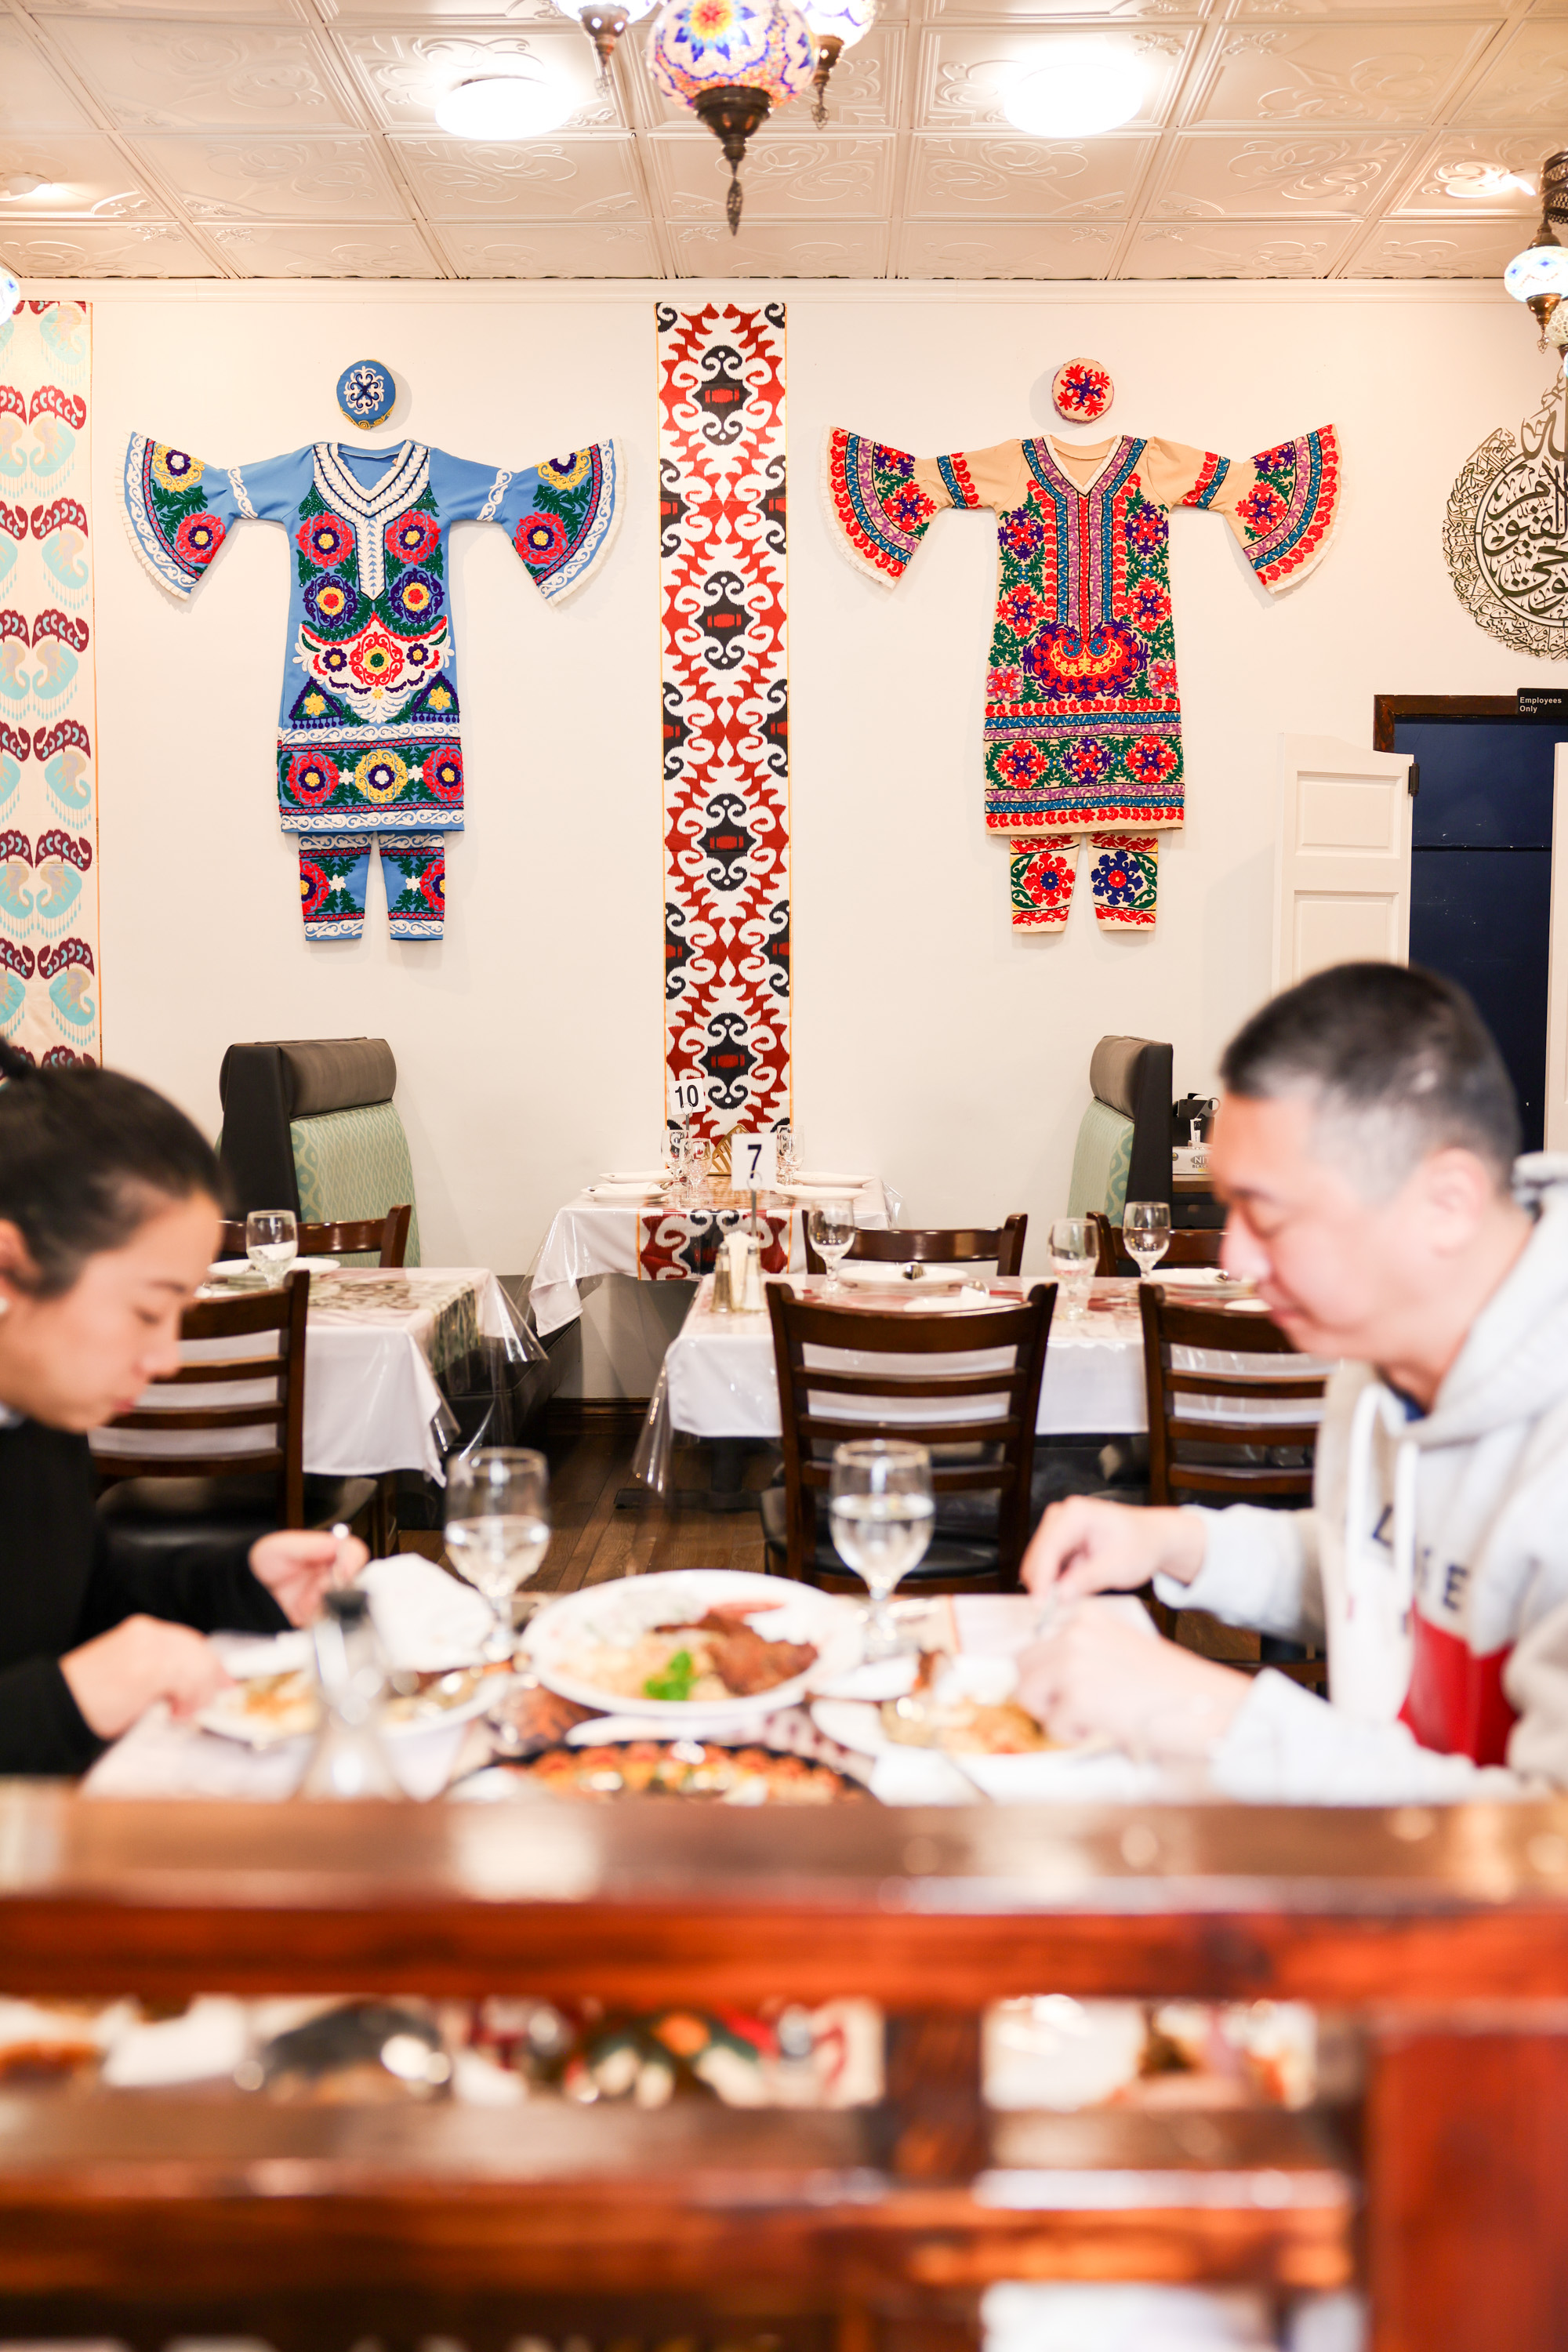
<point>1455,1703</point>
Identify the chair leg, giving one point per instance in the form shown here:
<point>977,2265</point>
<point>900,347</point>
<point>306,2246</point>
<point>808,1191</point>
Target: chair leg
<point>384,1516</point>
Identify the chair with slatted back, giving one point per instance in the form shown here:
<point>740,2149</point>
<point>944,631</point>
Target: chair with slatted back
<point>981,1483</point>
<point>385,1238</point>
<point>1202,1376</point>
<point>235,1413</point>
<point>1189,1246</point>
<point>936,1245</point>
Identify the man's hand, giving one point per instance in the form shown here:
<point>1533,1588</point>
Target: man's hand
<point>1085,1545</point>
<point>116,1678</point>
<point>1098,1677</point>
<point>297,1566</point>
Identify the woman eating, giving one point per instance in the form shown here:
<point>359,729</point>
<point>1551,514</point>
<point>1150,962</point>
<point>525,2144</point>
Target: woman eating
<point>109,1218</point>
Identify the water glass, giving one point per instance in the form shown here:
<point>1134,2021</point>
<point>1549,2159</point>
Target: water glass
<point>272,1243</point>
<point>830,1228</point>
<point>1146,1234</point>
<point>1075,1254</point>
<point>787,1162</point>
<point>881,1514</point>
<point>699,1158</point>
<point>498,1529</point>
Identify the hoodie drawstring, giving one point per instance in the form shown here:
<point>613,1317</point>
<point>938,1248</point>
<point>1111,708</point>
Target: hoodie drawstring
<point>1361,1562</point>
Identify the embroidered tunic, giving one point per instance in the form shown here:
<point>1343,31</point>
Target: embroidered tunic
<point>1083,724</point>
<point>368,735</point>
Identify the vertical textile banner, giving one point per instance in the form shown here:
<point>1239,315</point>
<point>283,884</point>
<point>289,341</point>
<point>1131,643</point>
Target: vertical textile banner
<point>726,716</point>
<point>48,720</point>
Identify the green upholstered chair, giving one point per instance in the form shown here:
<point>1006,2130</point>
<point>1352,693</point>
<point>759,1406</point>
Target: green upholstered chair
<point>1123,1150</point>
<point>309,1123</point>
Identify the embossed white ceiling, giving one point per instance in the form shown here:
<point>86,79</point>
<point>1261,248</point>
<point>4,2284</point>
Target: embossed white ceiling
<point>297,138</point>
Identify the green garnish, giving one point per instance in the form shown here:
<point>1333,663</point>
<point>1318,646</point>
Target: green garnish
<point>676,1680</point>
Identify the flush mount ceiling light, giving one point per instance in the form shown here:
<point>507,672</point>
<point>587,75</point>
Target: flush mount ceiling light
<point>1476,183</point>
<point>1084,89</point>
<point>22,183</point>
<point>604,21</point>
<point>504,106</point>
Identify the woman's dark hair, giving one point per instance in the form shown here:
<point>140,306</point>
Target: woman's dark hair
<point>85,1157</point>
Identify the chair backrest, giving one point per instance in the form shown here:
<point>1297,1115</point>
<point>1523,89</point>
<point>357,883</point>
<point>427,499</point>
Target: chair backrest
<point>309,1123</point>
<point>985,1405</point>
<point>238,1408</point>
<point>936,1245</point>
<point>1123,1150</point>
<point>384,1237</point>
<point>1189,1246</point>
<point>1221,1423</point>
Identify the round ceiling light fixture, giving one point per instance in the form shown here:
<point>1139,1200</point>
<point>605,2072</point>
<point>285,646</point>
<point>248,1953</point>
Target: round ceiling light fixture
<point>1084,89</point>
<point>504,106</point>
<point>22,183</point>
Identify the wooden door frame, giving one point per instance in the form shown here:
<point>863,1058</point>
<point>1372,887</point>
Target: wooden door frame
<point>1388,709</point>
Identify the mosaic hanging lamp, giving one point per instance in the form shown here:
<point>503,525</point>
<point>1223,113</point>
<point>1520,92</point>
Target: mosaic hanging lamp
<point>1539,276</point>
<point>604,21</point>
<point>731,61</point>
<point>837,24</point>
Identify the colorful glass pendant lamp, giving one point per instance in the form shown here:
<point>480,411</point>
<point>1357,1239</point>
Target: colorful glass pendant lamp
<point>837,24</point>
<point>732,61</point>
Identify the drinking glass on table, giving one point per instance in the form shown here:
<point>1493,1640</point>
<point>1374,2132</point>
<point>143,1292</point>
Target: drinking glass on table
<point>1075,1254</point>
<point>830,1227</point>
<point>881,1514</point>
<point>699,1158</point>
<point>1146,1233</point>
<point>498,1529</point>
<point>272,1243</point>
<point>787,1162</point>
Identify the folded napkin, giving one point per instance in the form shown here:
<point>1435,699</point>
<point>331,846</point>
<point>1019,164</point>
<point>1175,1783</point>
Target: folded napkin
<point>919,1776</point>
<point>208,2042</point>
<point>428,1621</point>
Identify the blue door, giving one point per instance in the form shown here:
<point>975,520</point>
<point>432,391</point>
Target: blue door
<point>1481,880</point>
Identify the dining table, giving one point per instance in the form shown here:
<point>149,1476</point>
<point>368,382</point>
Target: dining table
<point>652,1235</point>
<point>381,1347</point>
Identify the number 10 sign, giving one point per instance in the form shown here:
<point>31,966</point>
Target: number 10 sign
<point>753,1161</point>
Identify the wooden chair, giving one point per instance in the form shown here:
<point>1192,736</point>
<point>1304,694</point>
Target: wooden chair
<point>982,1468</point>
<point>339,1237</point>
<point>1198,1457</point>
<point>217,1486</point>
<point>935,1245</point>
<point>1190,1245</point>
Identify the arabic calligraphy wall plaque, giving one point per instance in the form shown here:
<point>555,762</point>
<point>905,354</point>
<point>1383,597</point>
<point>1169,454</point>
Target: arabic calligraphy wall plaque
<point>1505,537</point>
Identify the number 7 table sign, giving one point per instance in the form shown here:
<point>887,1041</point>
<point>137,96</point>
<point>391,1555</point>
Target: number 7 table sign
<point>754,1162</point>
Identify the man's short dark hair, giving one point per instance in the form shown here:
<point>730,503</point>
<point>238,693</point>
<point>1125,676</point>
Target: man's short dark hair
<point>1399,1061</point>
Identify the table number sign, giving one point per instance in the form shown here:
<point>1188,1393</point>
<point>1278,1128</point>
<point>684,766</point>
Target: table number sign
<point>754,1162</point>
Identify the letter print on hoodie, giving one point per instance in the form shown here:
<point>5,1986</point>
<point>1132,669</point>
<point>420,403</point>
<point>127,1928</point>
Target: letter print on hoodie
<point>368,741</point>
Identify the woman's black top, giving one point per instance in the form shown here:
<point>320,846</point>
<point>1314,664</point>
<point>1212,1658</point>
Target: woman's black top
<point>61,1582</point>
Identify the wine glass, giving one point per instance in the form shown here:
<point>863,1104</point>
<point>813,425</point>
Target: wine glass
<point>787,1162</point>
<point>831,1229</point>
<point>699,1158</point>
<point>881,1514</point>
<point>271,1243</point>
<point>673,1157</point>
<point>1146,1234</point>
<point>498,1529</point>
<point>1075,1253</point>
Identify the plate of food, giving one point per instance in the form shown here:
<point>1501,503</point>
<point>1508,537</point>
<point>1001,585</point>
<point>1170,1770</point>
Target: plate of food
<point>693,1645</point>
<point>672,1767</point>
<point>963,1706</point>
<point>264,1710</point>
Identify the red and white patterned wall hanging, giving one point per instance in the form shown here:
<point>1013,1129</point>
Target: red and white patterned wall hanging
<point>725,682</point>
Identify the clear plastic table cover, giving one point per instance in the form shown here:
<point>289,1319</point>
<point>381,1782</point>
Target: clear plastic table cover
<point>590,1238</point>
<point>718,1380</point>
<point>373,1399</point>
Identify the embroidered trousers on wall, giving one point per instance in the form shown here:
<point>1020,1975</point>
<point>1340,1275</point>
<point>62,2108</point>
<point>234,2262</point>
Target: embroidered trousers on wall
<point>1124,877</point>
<point>334,874</point>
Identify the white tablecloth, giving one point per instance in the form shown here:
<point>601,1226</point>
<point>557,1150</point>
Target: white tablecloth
<point>589,1238</point>
<point>371,1402</point>
<point>719,1379</point>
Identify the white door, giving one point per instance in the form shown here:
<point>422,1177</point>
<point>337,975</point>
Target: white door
<point>1557,970</point>
<point>1341,857</point>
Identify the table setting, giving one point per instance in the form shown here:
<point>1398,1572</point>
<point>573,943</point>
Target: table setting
<point>669,1223</point>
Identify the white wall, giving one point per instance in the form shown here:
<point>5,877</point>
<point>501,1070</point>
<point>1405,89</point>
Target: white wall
<point>929,1041</point>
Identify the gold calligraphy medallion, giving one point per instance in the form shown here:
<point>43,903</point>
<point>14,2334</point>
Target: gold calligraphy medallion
<point>1505,537</point>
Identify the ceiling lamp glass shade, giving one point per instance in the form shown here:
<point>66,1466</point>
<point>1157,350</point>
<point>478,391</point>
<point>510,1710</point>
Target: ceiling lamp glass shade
<point>604,21</point>
<point>504,106</point>
<point>1084,89</point>
<point>836,26</point>
<point>1538,269</point>
<point>730,61</point>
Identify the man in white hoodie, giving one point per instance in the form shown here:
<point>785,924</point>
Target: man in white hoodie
<point>1365,1147</point>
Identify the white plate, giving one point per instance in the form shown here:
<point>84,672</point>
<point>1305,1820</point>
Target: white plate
<point>818,1191</point>
<point>633,1176</point>
<point>227,1268</point>
<point>830,1177</point>
<point>796,1612</point>
<point>857,1724</point>
<point>227,1717</point>
<point>637,1191</point>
